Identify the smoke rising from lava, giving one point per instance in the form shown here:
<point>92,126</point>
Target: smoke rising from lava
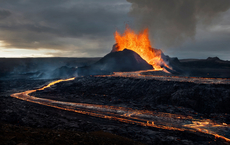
<point>174,21</point>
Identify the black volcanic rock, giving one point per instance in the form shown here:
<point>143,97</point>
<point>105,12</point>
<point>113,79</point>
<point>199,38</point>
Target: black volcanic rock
<point>121,61</point>
<point>175,65</point>
<point>213,59</point>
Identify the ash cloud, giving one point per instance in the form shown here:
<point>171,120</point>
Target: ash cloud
<point>173,21</point>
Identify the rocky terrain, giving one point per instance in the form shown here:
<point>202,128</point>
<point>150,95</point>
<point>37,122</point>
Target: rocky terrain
<point>198,100</point>
<point>142,93</point>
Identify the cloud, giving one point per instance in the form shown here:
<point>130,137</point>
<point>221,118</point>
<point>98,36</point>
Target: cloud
<point>174,21</point>
<point>4,14</point>
<point>211,43</point>
<point>59,24</point>
<point>85,27</point>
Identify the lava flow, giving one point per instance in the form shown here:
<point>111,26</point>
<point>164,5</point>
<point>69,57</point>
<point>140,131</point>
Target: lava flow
<point>140,44</point>
<point>127,115</point>
<point>139,75</point>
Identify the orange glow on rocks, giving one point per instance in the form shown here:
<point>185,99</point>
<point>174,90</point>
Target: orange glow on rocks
<point>168,121</point>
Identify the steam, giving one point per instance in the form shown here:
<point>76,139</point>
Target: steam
<point>173,21</point>
<point>41,68</point>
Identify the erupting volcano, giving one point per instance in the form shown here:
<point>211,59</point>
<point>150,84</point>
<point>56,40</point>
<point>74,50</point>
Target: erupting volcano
<point>137,84</point>
<point>109,72</point>
<point>140,44</point>
<point>132,52</point>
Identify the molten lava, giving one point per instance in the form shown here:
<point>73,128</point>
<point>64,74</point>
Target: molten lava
<point>140,117</point>
<point>140,44</point>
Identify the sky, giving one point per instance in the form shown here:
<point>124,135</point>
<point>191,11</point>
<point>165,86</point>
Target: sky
<point>85,28</point>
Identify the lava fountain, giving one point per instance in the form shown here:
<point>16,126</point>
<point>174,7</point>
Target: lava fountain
<point>140,44</point>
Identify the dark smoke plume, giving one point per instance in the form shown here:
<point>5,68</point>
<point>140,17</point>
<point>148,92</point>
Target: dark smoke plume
<point>173,21</point>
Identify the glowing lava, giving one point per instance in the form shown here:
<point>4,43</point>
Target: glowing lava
<point>141,117</point>
<point>140,44</point>
<point>139,75</point>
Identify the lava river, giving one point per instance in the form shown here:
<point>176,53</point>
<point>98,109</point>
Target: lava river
<point>140,117</point>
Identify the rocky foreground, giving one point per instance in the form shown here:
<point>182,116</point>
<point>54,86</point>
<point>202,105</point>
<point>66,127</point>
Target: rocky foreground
<point>191,99</point>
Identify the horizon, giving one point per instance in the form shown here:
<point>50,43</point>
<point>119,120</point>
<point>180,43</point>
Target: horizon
<point>100,57</point>
<point>186,30</point>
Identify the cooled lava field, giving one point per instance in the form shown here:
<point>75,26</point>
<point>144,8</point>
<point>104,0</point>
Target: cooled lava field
<point>189,106</point>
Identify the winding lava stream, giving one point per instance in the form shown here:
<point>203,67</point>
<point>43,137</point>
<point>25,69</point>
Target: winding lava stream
<point>127,115</point>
